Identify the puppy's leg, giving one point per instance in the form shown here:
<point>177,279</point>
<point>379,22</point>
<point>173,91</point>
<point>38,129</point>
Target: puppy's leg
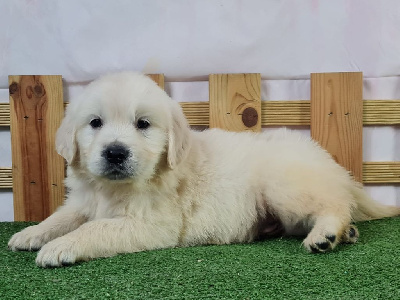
<point>105,237</point>
<point>34,237</point>
<point>326,233</point>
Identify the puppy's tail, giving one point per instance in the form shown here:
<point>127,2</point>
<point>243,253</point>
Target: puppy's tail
<point>368,209</point>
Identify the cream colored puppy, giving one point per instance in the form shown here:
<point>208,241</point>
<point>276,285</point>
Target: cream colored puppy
<point>140,179</point>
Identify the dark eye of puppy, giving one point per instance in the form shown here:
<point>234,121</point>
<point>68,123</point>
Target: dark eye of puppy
<point>142,124</point>
<point>96,123</point>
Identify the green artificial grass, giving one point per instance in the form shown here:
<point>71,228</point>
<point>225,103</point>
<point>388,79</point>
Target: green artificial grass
<point>273,269</point>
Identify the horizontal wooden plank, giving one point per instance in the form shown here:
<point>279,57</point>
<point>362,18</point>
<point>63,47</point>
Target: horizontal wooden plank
<point>4,114</point>
<point>297,113</point>
<point>197,113</point>
<point>276,113</point>
<point>381,172</point>
<point>381,112</point>
<point>387,172</point>
<point>5,178</point>
<point>285,113</point>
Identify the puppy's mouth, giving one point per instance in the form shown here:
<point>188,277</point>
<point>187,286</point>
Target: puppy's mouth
<point>117,172</point>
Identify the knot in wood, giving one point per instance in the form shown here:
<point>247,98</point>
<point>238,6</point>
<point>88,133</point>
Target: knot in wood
<point>250,117</point>
<point>13,87</point>
<point>38,90</point>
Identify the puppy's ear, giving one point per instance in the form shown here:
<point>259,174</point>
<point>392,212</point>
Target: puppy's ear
<point>179,139</point>
<point>65,138</point>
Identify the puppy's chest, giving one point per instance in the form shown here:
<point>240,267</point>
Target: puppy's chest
<point>104,205</point>
<point>134,205</point>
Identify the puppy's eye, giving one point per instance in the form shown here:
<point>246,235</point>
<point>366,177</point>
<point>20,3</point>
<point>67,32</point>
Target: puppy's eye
<point>142,124</point>
<point>96,123</point>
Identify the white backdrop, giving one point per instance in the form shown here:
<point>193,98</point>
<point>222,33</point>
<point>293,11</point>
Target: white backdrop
<point>285,41</point>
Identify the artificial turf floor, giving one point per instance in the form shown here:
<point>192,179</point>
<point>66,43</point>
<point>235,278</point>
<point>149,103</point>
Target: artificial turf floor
<point>272,269</point>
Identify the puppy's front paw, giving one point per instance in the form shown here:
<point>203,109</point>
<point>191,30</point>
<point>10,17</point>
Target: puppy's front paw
<point>320,243</point>
<point>58,253</point>
<point>29,239</point>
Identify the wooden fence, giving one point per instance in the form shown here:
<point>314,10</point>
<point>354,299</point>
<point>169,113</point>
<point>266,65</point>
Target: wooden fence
<point>336,114</point>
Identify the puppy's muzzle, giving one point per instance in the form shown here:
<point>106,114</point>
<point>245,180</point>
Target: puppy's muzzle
<point>116,162</point>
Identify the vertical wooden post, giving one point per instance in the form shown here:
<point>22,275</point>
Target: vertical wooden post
<point>159,79</point>
<point>336,117</point>
<point>36,110</point>
<point>235,101</point>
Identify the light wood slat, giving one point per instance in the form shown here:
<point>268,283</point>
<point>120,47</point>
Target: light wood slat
<point>5,178</point>
<point>4,114</point>
<point>381,172</point>
<point>159,79</point>
<point>36,105</point>
<point>235,103</point>
<point>336,117</point>
<point>284,113</point>
<point>276,113</point>
<point>297,113</point>
<point>381,112</point>
<point>373,172</point>
<point>197,113</point>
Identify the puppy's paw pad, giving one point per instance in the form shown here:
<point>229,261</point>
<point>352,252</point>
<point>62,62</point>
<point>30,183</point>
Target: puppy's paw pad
<point>331,238</point>
<point>350,235</point>
<point>321,244</point>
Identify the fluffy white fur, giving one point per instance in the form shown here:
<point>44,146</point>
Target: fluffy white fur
<point>187,188</point>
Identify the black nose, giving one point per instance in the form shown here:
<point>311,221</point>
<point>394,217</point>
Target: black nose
<point>116,154</point>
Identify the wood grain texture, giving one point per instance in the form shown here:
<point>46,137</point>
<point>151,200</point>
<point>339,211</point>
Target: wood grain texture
<point>5,178</point>
<point>159,79</point>
<point>4,114</point>
<point>285,113</point>
<point>336,117</point>
<point>276,113</point>
<point>381,112</point>
<point>381,172</point>
<point>36,110</point>
<point>197,113</point>
<point>235,102</point>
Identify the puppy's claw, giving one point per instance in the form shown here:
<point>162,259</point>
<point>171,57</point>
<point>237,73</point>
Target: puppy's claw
<point>58,253</point>
<point>29,239</point>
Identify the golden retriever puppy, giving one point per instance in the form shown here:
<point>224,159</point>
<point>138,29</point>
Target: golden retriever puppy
<point>140,179</point>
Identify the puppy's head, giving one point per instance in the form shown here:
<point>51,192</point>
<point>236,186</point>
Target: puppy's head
<point>120,127</point>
